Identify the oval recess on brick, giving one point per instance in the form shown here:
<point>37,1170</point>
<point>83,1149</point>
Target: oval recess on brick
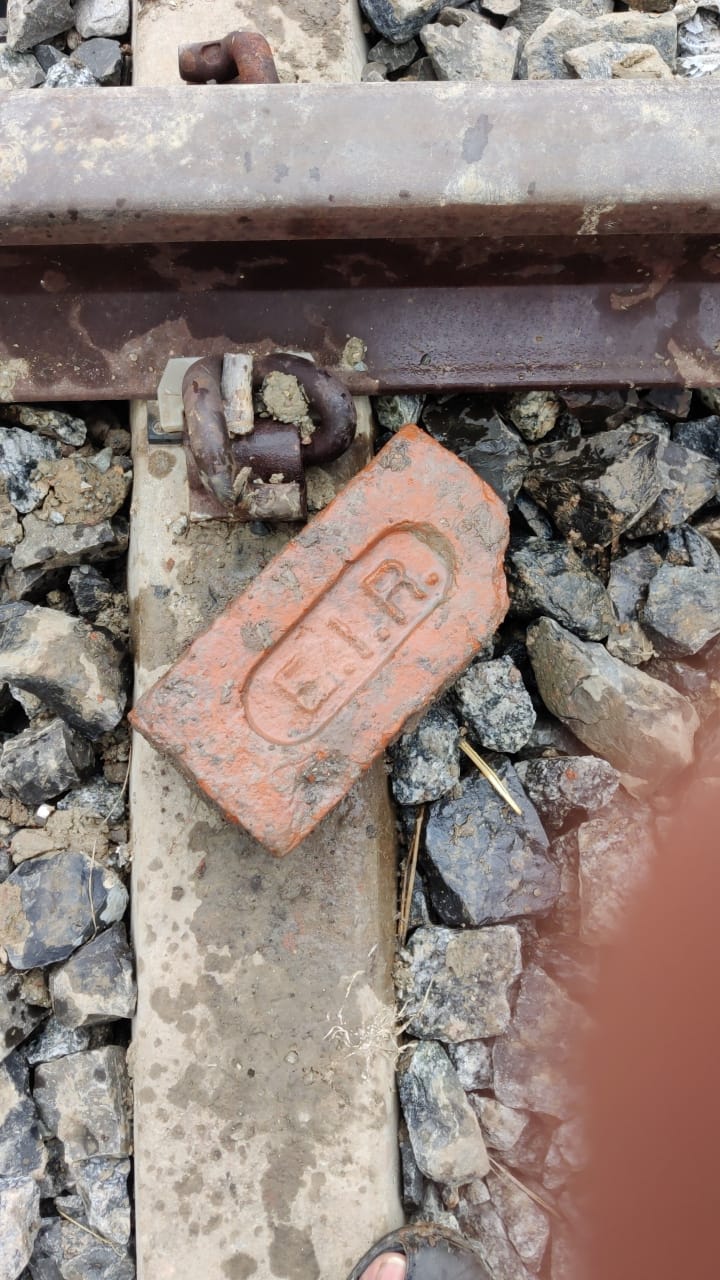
<point>348,635</point>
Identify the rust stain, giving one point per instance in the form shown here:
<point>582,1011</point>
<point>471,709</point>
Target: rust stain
<point>663,273</point>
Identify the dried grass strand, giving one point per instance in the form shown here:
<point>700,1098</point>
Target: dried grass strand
<point>408,883</point>
<point>89,1231</point>
<point>491,775</point>
<point>510,1177</point>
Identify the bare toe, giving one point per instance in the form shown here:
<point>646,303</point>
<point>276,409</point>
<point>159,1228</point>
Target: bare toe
<point>388,1266</point>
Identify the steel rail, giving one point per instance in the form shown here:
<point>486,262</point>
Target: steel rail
<point>282,162</point>
<point>101,322</point>
<point>531,234</point>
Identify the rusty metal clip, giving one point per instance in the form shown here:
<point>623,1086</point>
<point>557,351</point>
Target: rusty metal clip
<point>256,471</point>
<point>242,57</point>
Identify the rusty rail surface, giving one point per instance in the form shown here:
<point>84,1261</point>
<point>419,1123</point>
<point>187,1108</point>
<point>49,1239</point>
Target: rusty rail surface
<point>529,234</point>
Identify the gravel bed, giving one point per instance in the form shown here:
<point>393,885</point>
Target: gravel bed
<point>501,40</point>
<point>63,44</point>
<point>67,988</point>
<point>586,704</point>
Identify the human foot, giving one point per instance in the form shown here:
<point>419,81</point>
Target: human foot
<point>421,1251</point>
<point>388,1266</point>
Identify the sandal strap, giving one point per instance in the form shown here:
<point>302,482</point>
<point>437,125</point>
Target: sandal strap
<point>432,1252</point>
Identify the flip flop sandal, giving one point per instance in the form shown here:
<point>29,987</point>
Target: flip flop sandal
<point>432,1252</point>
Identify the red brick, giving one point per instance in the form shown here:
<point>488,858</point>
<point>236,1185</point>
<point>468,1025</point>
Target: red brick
<point>366,615</point>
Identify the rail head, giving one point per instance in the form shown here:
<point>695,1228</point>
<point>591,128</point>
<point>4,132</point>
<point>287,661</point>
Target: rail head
<point>285,162</point>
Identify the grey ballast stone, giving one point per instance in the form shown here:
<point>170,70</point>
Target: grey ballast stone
<point>46,910</point>
<point>502,1126</point>
<point>91,590</point>
<point>32,21</point>
<point>423,69</point>
<point>47,422</point>
<point>374,73</point>
<point>535,518</point>
<point>400,20</point>
<point>690,480</point>
<point>56,1041</point>
<point>66,1249</point>
<point>688,546</point>
<point>103,59</point>
<point>499,456</point>
<point>37,765</point>
<point>19,1223</point>
<point>548,577</point>
<point>527,1225</point>
<point>433,1208</point>
<point>11,530</point>
<point>566,912</point>
<point>533,13</point>
<point>534,413</point>
<point>18,1018</point>
<point>616,852</point>
<point>499,8</point>
<point>614,59</point>
<point>570,961</point>
<point>426,762</point>
<point>682,611</point>
<point>47,55</point>
<point>22,1151</point>
<point>73,668</point>
<point>640,725</point>
<point>20,452</point>
<point>630,576</point>
<point>699,64</point>
<point>98,796</point>
<point>443,1128</point>
<point>699,36</point>
<point>101,1183</point>
<point>413,1182</point>
<point>394,412</point>
<point>394,57</point>
<point>102,17</point>
<point>96,984</point>
<point>483,1224</point>
<point>547,1028</point>
<point>54,546</point>
<point>543,55</point>
<point>68,75</point>
<point>455,983</point>
<point>56,1179</point>
<point>472,1059</point>
<point>84,1100</point>
<point>473,51</point>
<point>597,487</point>
<point>493,700</point>
<point>484,864</point>
<point>563,785</point>
<point>671,402</point>
<point>567,1154</point>
<point>19,70</point>
<point>702,435</point>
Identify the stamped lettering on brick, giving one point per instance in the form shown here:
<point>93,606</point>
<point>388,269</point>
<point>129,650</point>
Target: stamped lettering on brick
<point>348,635</point>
